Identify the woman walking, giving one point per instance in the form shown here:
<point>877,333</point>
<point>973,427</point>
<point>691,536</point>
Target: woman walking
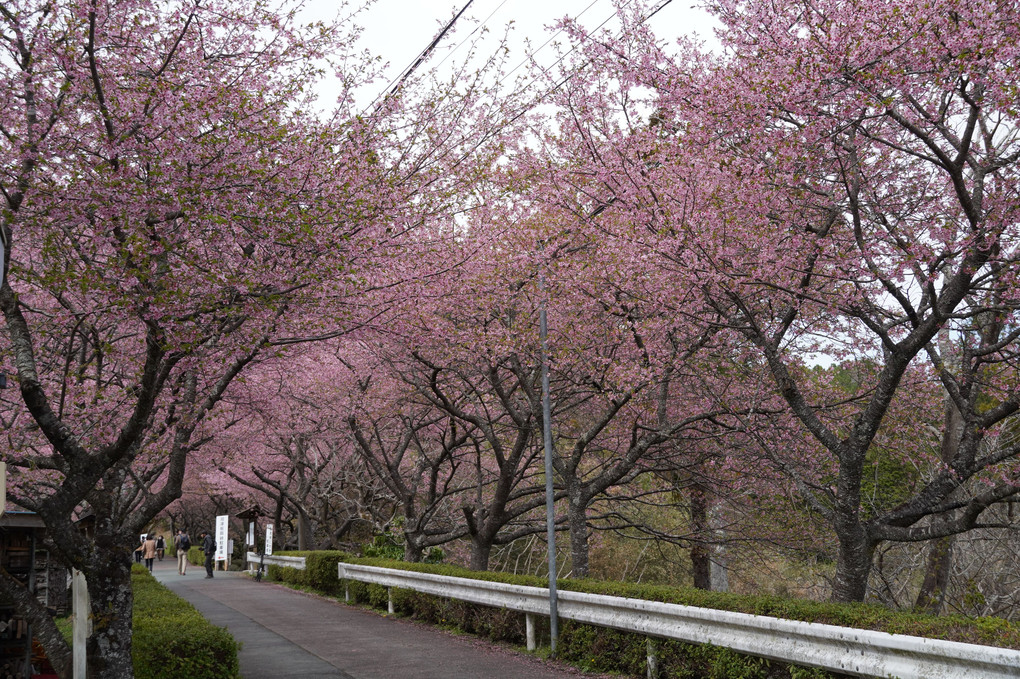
<point>149,551</point>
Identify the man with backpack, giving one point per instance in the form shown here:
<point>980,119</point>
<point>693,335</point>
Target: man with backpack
<point>182,543</point>
<point>209,547</point>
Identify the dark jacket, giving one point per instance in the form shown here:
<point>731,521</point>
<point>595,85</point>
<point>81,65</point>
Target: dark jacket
<point>209,545</point>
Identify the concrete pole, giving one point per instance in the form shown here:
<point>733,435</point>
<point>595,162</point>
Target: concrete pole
<point>550,495</point>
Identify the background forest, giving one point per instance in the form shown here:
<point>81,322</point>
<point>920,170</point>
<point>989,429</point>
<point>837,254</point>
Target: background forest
<point>780,280</point>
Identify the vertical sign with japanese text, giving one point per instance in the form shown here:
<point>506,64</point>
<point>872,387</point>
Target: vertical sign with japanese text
<point>269,540</point>
<point>221,537</point>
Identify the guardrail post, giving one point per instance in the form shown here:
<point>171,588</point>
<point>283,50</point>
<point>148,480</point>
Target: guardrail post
<point>347,591</point>
<point>389,593</point>
<point>652,650</point>
<point>529,630</point>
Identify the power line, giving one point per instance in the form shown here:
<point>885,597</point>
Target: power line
<point>656,10</point>
<point>476,29</point>
<point>592,33</point>
<point>428,50</point>
<point>406,73</point>
<point>544,70</point>
<point>544,44</point>
<point>422,56</point>
<point>539,99</point>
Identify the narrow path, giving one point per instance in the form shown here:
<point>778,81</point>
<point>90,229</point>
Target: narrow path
<point>286,634</point>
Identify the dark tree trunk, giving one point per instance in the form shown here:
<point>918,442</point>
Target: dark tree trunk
<point>306,540</point>
<point>577,517</point>
<point>939,563</point>
<point>111,602</point>
<point>412,550</point>
<point>481,537</point>
<point>480,551</point>
<point>701,558</point>
<point>853,565</point>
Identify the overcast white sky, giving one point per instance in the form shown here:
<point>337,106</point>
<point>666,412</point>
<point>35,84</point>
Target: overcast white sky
<point>398,30</point>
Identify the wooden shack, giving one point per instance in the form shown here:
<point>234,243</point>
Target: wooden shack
<point>23,555</point>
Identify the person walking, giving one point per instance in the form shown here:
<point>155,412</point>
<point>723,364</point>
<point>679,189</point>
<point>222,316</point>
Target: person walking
<point>160,547</point>
<point>209,547</point>
<point>182,543</point>
<point>149,551</point>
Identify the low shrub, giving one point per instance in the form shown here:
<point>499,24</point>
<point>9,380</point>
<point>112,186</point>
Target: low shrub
<point>320,571</point>
<point>171,639</point>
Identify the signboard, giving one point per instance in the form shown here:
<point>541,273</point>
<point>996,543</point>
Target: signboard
<point>250,537</point>
<point>269,540</point>
<point>82,623</point>
<point>221,537</point>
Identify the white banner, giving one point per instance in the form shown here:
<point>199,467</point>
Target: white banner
<point>221,537</point>
<point>250,538</point>
<point>269,539</point>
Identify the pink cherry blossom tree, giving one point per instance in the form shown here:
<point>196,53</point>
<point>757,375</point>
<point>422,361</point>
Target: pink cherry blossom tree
<point>284,439</point>
<point>842,179</point>
<point>167,203</point>
<point>418,452</point>
<point>644,369</point>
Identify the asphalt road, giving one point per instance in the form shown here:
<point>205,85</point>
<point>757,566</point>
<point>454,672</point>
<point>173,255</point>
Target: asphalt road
<point>287,634</point>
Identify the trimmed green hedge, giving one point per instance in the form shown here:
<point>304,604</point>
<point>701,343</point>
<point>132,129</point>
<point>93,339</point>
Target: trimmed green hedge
<point>606,650</point>
<point>320,571</point>
<point>171,639</point>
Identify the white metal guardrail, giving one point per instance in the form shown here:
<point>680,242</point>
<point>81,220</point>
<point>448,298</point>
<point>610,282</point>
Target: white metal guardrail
<point>297,562</point>
<point>839,649</point>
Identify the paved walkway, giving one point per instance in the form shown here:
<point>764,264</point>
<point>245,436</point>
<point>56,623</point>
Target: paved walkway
<point>287,634</point>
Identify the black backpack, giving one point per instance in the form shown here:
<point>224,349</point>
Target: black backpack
<point>185,542</point>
